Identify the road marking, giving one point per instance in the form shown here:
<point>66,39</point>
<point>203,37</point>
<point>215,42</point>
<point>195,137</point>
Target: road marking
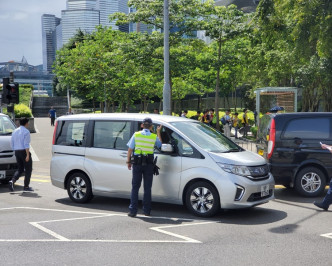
<point>33,155</point>
<point>328,235</point>
<point>57,237</point>
<point>36,129</point>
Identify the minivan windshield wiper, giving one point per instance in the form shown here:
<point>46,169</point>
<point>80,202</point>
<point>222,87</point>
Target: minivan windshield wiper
<point>5,134</point>
<point>232,150</point>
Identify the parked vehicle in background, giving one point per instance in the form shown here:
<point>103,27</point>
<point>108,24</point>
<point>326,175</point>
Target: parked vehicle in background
<point>291,144</point>
<point>199,167</point>
<point>8,164</point>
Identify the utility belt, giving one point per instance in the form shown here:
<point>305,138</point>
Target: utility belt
<point>142,159</point>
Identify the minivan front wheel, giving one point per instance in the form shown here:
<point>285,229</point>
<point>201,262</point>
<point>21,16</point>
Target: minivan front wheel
<point>310,182</point>
<point>202,199</point>
<point>79,188</point>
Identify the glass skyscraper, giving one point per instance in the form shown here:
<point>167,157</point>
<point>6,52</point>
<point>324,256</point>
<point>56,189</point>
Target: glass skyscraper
<point>80,15</point>
<point>49,40</point>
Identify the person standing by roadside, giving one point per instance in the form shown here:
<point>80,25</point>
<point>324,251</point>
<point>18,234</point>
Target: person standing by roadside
<point>142,145</point>
<point>213,118</point>
<point>197,116</point>
<point>20,143</point>
<point>52,115</point>
<point>235,123</point>
<point>245,122</point>
<point>228,124</point>
<point>327,201</point>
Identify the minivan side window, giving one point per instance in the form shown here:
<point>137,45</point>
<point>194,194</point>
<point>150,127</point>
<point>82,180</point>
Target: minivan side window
<point>71,133</point>
<point>308,128</point>
<point>111,134</point>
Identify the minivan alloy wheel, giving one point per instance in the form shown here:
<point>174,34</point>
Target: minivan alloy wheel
<point>79,188</point>
<point>202,199</point>
<point>310,182</point>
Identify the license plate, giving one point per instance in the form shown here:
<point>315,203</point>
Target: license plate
<point>2,174</point>
<point>265,190</point>
<point>261,152</point>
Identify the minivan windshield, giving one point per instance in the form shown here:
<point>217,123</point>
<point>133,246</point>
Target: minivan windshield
<point>6,126</point>
<point>206,137</point>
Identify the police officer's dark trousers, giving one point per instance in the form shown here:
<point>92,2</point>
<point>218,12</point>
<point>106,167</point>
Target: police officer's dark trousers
<point>23,166</point>
<point>140,172</point>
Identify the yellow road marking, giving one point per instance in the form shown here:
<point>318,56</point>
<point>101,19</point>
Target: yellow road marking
<point>41,180</point>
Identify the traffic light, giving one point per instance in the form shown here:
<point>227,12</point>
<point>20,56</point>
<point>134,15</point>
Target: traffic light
<point>13,92</point>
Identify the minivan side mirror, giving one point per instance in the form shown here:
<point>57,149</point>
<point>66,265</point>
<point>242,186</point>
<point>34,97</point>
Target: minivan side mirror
<point>167,148</point>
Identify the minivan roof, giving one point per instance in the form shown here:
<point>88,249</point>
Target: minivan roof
<point>129,116</point>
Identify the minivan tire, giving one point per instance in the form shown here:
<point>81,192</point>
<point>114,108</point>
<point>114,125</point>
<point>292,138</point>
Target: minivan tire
<point>316,176</point>
<point>202,199</point>
<point>79,188</point>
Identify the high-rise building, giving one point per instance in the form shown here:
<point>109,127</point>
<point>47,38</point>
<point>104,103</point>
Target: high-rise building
<point>79,15</point>
<point>49,24</point>
<point>108,7</point>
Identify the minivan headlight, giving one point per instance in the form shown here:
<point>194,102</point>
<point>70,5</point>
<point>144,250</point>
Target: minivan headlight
<point>235,169</point>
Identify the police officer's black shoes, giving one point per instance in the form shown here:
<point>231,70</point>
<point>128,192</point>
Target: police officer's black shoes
<point>320,205</point>
<point>147,214</point>
<point>11,185</point>
<point>131,214</point>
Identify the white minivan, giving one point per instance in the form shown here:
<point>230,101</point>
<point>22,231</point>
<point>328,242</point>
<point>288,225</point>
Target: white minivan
<point>199,167</point>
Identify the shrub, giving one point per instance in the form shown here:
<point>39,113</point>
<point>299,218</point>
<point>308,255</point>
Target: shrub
<point>254,131</point>
<point>21,110</point>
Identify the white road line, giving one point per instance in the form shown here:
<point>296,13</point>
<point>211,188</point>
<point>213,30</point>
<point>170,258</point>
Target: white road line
<point>328,235</point>
<point>37,131</point>
<point>159,229</point>
<point>34,155</point>
<point>47,231</point>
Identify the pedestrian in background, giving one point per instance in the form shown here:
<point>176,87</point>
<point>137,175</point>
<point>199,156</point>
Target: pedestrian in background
<point>142,145</point>
<point>327,201</point>
<point>52,115</point>
<point>235,123</point>
<point>245,122</point>
<point>156,111</point>
<point>213,118</point>
<point>197,116</point>
<point>20,142</point>
<point>184,113</point>
<point>228,124</point>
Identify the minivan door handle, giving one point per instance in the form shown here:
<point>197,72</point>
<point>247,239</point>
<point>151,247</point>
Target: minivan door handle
<point>124,154</point>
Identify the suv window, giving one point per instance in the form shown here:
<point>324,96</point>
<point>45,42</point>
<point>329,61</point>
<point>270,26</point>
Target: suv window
<point>71,133</point>
<point>308,128</point>
<point>111,134</point>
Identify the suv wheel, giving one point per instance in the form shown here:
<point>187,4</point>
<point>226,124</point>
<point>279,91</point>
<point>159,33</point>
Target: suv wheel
<point>310,182</point>
<point>202,199</point>
<point>79,188</point>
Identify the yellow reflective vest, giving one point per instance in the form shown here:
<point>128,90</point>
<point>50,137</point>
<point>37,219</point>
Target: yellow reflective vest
<point>144,144</point>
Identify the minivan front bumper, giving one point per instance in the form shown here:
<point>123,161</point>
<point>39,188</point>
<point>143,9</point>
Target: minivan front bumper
<point>248,193</point>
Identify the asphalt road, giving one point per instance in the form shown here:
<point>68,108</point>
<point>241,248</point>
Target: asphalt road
<point>46,228</point>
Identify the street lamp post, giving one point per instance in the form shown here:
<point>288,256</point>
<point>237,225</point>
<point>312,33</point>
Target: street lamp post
<point>167,88</point>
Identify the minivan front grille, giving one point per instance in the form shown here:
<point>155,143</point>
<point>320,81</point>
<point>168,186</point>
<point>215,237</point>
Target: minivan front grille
<point>260,172</point>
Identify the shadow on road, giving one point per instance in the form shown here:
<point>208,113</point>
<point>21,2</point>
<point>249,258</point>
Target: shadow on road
<point>289,194</point>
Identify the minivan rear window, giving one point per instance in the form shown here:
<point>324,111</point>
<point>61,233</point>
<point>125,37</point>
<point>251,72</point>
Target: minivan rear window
<point>308,128</point>
<point>6,126</point>
<point>71,133</point>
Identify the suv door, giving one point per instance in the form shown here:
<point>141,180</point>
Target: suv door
<point>105,160</point>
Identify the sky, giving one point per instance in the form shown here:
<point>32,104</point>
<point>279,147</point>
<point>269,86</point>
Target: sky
<point>20,28</point>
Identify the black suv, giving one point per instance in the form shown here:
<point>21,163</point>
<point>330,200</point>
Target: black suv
<point>291,144</point>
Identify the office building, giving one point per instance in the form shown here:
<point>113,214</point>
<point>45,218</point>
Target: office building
<point>49,40</point>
